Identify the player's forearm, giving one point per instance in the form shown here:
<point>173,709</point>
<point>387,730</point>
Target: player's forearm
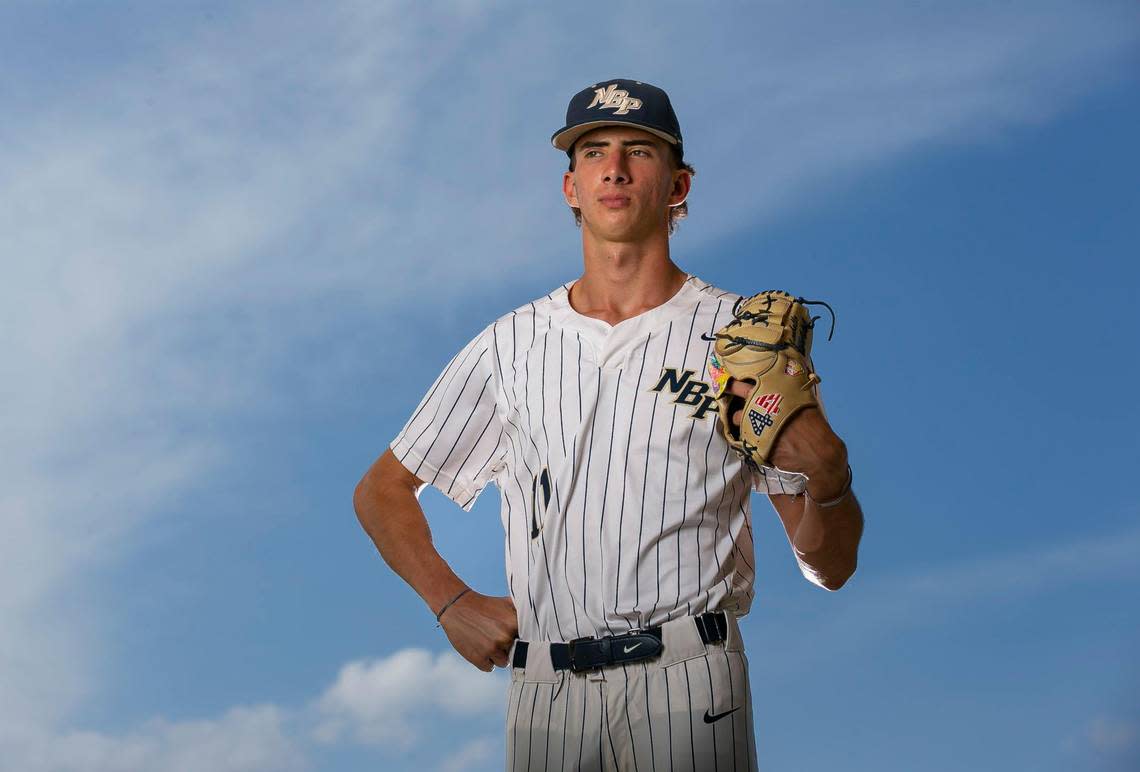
<point>393,518</point>
<point>827,539</point>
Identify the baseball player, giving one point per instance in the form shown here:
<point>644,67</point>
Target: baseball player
<point>626,516</point>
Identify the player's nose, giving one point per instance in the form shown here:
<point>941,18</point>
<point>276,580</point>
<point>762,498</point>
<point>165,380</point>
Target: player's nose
<point>617,170</point>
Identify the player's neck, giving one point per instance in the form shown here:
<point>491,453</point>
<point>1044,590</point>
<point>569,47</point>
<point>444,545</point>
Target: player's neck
<point>622,280</point>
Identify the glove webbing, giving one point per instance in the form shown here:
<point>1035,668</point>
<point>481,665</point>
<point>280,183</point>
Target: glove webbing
<point>799,333</point>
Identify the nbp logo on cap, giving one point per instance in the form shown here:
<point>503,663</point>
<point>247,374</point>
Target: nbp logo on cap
<point>632,102</point>
<point>612,96</point>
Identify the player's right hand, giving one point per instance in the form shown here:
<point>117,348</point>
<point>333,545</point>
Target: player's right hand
<point>482,629</point>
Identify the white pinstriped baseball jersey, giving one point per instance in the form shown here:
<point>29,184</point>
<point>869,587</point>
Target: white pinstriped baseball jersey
<point>622,505</point>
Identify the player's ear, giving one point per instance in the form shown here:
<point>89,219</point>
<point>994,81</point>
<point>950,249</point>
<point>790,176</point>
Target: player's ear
<point>682,184</point>
<point>569,191</point>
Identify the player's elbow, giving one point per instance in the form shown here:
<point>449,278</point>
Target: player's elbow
<point>827,583</point>
<point>387,479</point>
<point>831,580</point>
<point>368,491</point>
<point>834,581</point>
<point>359,497</point>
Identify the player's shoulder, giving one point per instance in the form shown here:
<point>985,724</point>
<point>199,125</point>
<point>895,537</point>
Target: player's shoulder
<point>712,291</point>
<point>532,314</point>
<point>510,334</point>
<point>717,303</point>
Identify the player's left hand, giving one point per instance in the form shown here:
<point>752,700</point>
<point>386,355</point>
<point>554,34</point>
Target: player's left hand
<point>807,444</point>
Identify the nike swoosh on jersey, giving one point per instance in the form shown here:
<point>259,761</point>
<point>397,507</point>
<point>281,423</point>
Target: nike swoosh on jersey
<point>628,649</point>
<point>709,718</point>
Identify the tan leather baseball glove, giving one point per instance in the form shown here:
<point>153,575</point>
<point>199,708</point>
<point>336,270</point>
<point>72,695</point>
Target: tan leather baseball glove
<point>767,343</point>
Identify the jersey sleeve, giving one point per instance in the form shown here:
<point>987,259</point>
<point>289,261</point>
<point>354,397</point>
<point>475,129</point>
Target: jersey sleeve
<point>454,439</point>
<point>771,479</point>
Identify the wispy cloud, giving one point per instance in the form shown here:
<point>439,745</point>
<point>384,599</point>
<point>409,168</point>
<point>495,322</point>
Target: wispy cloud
<point>389,705</point>
<point>389,702</point>
<point>472,755</point>
<point>883,604</point>
<point>244,739</point>
<point>823,105</point>
<point>147,259</point>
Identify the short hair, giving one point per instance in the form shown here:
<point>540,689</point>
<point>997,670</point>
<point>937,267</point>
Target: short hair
<point>676,213</point>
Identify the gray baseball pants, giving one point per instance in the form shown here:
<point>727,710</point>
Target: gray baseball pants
<point>689,709</point>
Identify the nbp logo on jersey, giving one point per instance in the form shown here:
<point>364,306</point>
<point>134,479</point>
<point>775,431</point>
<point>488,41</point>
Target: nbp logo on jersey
<point>613,97</point>
<point>689,391</point>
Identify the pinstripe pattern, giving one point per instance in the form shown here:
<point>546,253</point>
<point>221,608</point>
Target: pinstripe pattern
<point>622,507</point>
<point>648,513</point>
<point>651,715</point>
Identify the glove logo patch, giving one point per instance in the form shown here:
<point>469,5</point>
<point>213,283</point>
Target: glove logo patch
<point>717,374</point>
<point>793,367</point>
<point>769,403</point>
<point>759,421</point>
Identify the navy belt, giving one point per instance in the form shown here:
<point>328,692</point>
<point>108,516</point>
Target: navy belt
<point>589,653</point>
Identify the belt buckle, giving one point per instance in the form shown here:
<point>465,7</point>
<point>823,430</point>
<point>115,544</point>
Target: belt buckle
<point>583,657</point>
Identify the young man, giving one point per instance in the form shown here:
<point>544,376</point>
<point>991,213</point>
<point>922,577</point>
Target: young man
<point>626,517</point>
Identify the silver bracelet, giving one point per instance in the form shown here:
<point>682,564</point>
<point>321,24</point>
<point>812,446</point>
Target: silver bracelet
<point>447,605</point>
<point>838,499</point>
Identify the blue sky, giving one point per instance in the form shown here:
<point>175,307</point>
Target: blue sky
<point>241,239</point>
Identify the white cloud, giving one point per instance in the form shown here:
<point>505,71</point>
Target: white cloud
<point>391,705</point>
<point>147,258</point>
<point>244,739</point>
<point>387,702</point>
<point>471,755</point>
<point>880,604</point>
<point>836,93</point>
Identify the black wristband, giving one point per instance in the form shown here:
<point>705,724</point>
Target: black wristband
<point>447,605</point>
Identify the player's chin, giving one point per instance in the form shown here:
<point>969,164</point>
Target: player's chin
<point>620,229</point>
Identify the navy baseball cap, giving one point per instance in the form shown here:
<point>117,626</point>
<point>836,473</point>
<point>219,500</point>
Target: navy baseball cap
<point>619,102</point>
